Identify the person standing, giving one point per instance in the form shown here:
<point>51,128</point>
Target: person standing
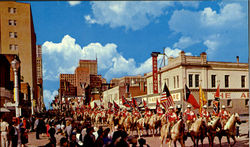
<point>37,127</point>
<point>4,128</point>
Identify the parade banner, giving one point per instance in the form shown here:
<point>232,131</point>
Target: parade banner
<point>155,75</point>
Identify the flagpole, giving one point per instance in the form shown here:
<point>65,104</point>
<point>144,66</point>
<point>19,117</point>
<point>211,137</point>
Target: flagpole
<point>184,87</point>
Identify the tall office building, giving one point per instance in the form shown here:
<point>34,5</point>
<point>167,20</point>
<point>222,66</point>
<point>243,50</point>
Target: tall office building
<point>17,36</point>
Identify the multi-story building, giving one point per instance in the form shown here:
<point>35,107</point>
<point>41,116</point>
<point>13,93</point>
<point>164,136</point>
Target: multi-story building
<point>84,82</point>
<point>196,71</point>
<point>128,87</point>
<point>17,36</point>
<point>39,76</point>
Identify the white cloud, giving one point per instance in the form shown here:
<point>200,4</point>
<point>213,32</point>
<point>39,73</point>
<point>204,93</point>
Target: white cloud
<point>131,15</point>
<point>218,30</point>
<point>63,57</point>
<point>73,3</point>
<point>185,42</point>
<point>49,96</point>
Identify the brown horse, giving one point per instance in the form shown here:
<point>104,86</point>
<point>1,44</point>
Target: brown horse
<point>213,127</point>
<point>229,129</point>
<point>151,124</point>
<point>177,133</point>
<point>198,131</point>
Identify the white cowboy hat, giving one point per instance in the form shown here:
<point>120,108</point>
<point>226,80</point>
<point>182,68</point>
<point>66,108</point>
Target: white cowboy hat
<point>171,107</point>
<point>223,107</point>
<point>178,106</point>
<point>205,106</point>
<point>188,106</point>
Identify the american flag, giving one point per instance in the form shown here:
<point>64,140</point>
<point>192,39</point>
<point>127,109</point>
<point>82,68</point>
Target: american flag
<point>166,98</point>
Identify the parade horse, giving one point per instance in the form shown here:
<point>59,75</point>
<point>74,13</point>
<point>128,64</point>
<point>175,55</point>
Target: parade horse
<point>127,124</point>
<point>150,125</point>
<point>140,127</point>
<point>198,131</point>
<point>134,123</point>
<point>110,121</point>
<point>176,133</point>
<point>213,127</point>
<point>158,123</point>
<point>229,129</point>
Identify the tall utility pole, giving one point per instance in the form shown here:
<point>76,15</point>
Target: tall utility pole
<point>15,65</point>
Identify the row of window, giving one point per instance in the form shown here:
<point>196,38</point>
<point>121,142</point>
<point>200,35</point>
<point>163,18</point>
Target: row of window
<point>176,81</point>
<point>213,81</point>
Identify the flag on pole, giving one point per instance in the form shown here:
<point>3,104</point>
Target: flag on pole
<point>190,98</point>
<point>125,102</point>
<point>216,102</point>
<point>116,106</point>
<point>202,99</point>
<point>157,104</point>
<point>134,103</point>
<point>166,98</point>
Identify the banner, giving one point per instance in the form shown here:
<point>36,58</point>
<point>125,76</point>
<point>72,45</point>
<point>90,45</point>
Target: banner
<point>155,75</point>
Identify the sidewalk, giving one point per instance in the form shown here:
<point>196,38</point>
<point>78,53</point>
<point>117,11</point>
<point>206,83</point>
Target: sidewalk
<point>33,142</point>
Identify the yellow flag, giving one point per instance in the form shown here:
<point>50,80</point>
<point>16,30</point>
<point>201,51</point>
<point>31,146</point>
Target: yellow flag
<point>202,99</point>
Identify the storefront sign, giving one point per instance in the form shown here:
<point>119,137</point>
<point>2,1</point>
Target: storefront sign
<point>155,75</point>
<point>230,95</point>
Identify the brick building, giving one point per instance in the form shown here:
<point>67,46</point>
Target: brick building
<point>128,86</point>
<point>17,37</point>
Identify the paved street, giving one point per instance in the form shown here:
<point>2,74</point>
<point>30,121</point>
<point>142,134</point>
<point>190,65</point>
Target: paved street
<point>243,141</point>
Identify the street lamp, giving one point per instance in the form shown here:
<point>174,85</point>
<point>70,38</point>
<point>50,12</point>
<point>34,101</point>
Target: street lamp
<point>15,65</point>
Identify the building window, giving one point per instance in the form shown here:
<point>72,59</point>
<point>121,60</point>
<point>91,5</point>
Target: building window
<point>190,80</point>
<point>247,102</point>
<point>174,81</point>
<point>213,78</point>
<point>12,22</point>
<point>229,103</point>
<point>196,80</point>
<point>209,103</point>
<point>243,81</point>
<point>13,34</point>
<point>177,77</point>
<point>226,80</point>
<point>13,47</point>
<point>12,10</point>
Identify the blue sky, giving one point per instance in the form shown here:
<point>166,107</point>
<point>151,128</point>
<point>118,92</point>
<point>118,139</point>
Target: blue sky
<point>123,34</point>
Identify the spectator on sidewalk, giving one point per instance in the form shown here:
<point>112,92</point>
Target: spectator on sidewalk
<point>4,128</point>
<point>37,127</point>
<point>64,142</point>
<point>89,138</point>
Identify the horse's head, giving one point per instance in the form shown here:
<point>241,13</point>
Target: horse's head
<point>237,118</point>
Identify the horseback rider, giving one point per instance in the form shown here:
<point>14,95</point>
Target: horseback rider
<point>148,113</point>
<point>178,111</point>
<point>136,113</point>
<point>205,113</point>
<point>172,118</point>
<point>190,116</point>
<point>224,115</point>
<point>159,111</point>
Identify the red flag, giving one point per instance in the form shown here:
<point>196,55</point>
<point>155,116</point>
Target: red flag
<point>166,98</point>
<point>134,103</point>
<point>110,104</point>
<point>125,102</point>
<point>217,94</point>
<point>157,104</point>
<point>216,102</point>
<point>145,105</point>
<point>116,106</point>
<point>95,105</point>
<point>190,99</point>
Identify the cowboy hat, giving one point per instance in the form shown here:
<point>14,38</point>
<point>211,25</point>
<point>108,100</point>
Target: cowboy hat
<point>223,107</point>
<point>188,106</point>
<point>205,106</point>
<point>171,107</point>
